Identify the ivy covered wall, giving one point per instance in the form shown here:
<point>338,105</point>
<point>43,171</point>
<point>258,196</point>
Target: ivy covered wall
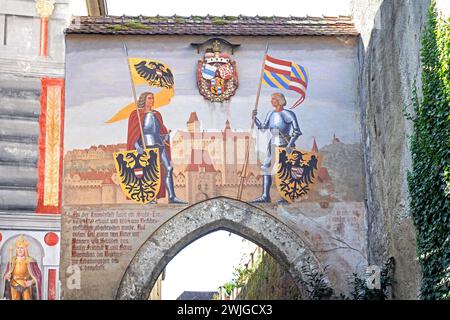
<point>429,179</point>
<point>269,281</point>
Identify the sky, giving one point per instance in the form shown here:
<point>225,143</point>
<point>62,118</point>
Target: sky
<point>229,7</point>
<point>208,262</point>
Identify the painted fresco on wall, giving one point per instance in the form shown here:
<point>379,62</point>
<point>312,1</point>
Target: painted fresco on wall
<point>255,160</point>
<point>295,153</point>
<point>23,277</point>
<point>29,267</point>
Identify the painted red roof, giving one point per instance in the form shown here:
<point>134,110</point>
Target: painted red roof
<point>193,117</point>
<point>314,147</point>
<point>323,175</point>
<point>93,175</point>
<point>108,180</point>
<point>200,159</point>
<point>110,148</point>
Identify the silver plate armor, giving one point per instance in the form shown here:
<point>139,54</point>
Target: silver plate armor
<point>284,131</point>
<point>151,129</point>
<point>280,125</point>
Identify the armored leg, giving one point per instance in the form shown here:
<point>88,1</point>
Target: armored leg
<point>267,177</point>
<point>169,178</point>
<point>265,197</point>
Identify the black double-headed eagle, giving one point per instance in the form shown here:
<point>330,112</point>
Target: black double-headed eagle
<point>140,173</point>
<point>295,173</point>
<point>155,73</point>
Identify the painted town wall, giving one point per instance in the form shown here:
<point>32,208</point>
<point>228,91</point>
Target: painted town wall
<point>103,229</point>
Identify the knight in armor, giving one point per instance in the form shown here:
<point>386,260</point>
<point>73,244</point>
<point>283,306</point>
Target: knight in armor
<point>284,129</point>
<point>156,135</point>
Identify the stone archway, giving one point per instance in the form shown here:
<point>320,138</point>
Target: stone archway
<point>190,224</point>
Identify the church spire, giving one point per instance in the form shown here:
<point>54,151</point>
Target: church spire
<point>227,125</point>
<point>314,147</point>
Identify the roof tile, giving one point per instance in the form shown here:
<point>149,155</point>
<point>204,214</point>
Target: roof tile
<point>214,25</point>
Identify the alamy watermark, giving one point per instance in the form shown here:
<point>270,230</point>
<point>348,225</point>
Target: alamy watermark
<point>73,281</point>
<point>373,280</point>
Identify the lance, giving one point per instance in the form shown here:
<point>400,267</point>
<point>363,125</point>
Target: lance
<point>133,89</point>
<point>247,141</point>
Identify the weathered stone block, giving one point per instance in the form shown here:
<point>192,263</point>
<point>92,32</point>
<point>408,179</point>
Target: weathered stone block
<point>19,130</point>
<point>17,199</point>
<point>21,153</point>
<point>18,176</point>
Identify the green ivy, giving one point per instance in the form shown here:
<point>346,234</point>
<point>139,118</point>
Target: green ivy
<point>315,284</point>
<point>362,292</point>
<point>429,179</point>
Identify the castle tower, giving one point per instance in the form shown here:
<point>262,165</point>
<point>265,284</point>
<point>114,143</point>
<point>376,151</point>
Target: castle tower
<point>200,177</point>
<point>335,140</point>
<point>227,125</point>
<point>108,190</point>
<point>193,124</point>
<point>228,152</point>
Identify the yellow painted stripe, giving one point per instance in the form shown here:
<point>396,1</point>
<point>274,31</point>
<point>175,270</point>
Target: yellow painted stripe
<point>274,81</point>
<point>283,77</point>
<point>299,71</point>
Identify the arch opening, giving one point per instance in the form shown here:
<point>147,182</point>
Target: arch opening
<point>287,247</point>
<point>224,266</point>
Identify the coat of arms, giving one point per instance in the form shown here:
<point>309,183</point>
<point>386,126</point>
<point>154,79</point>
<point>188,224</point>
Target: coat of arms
<point>217,77</point>
<point>139,175</point>
<point>296,173</point>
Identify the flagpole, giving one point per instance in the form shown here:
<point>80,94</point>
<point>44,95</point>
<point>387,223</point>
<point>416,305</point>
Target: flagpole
<point>247,142</point>
<point>133,89</point>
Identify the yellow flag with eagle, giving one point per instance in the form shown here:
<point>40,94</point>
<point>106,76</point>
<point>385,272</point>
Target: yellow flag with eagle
<point>153,73</point>
<point>139,171</point>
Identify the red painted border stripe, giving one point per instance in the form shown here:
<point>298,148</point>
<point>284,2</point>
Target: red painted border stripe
<point>51,292</point>
<point>43,42</point>
<point>41,208</point>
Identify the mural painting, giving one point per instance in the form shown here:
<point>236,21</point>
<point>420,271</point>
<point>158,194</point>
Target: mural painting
<point>145,170</point>
<point>29,265</point>
<point>164,130</point>
<point>23,278</point>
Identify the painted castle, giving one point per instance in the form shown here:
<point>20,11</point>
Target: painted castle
<point>206,164</point>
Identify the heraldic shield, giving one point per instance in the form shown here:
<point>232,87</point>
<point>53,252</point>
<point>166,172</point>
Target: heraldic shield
<point>217,77</point>
<point>139,175</point>
<point>296,172</point>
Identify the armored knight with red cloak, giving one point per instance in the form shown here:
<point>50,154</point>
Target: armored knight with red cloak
<point>156,135</point>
